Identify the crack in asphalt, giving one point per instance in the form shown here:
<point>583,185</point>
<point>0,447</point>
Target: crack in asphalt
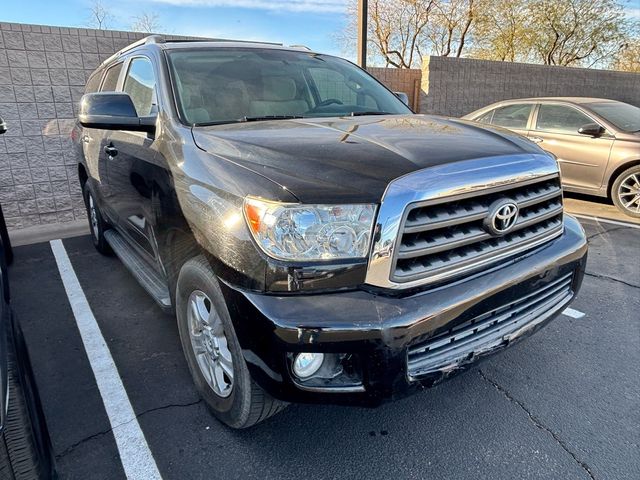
<point>538,423</point>
<point>71,448</point>
<point>606,277</point>
<point>615,229</point>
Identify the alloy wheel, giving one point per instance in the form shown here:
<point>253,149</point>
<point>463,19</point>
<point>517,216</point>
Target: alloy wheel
<point>209,344</point>
<point>629,193</point>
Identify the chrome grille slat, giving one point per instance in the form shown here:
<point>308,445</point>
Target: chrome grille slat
<point>448,234</point>
<point>477,211</point>
<point>488,330</point>
<point>502,241</point>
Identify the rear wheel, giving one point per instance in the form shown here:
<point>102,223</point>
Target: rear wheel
<point>625,192</point>
<point>213,351</point>
<point>97,223</point>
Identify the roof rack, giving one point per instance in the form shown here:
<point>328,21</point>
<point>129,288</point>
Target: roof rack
<point>222,40</point>
<point>143,41</point>
<point>154,39</point>
<point>300,46</point>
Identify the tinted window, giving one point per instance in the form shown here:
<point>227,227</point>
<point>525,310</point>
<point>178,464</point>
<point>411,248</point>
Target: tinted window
<point>111,78</point>
<point>559,118</point>
<point>512,116</point>
<point>140,85</point>
<point>227,84</point>
<point>624,116</point>
<point>94,82</point>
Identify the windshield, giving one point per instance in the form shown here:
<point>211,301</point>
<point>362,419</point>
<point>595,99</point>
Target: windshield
<point>223,85</point>
<point>622,115</point>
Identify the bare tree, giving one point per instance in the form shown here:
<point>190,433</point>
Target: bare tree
<point>451,26</point>
<point>576,32</point>
<point>553,32</point>
<point>99,16</point>
<point>396,30</point>
<point>628,58</point>
<point>502,31</point>
<point>147,23</point>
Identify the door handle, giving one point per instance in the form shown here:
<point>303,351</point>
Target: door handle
<point>110,150</point>
<point>536,139</point>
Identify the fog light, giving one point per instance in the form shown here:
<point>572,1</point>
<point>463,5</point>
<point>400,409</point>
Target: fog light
<point>306,364</point>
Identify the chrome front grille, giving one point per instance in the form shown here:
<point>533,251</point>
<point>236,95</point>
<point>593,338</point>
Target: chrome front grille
<point>444,237</point>
<point>488,331</point>
<point>438,223</point>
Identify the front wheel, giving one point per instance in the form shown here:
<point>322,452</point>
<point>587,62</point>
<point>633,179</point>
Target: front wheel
<point>625,192</point>
<point>213,352</point>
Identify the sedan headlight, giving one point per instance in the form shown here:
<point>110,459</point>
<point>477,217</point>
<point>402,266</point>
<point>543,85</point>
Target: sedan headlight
<point>299,232</point>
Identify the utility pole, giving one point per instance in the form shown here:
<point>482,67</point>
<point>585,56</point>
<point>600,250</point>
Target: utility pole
<point>363,10</point>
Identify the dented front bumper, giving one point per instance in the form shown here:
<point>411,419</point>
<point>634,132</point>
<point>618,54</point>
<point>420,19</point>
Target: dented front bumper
<point>404,343</point>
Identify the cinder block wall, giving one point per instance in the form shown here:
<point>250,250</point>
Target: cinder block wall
<point>457,86</point>
<point>43,71</point>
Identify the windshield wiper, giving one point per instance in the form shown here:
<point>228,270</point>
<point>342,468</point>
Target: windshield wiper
<point>270,117</point>
<point>247,119</point>
<point>361,114</point>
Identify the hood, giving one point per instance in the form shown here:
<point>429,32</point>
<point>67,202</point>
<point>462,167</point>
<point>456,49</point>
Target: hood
<point>353,159</point>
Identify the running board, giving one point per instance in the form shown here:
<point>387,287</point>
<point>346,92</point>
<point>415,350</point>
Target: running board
<point>141,270</point>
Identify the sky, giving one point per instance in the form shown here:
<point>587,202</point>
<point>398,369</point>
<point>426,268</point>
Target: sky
<point>314,23</point>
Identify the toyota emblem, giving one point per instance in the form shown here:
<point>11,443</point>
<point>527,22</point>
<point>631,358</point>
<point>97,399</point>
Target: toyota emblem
<point>502,217</point>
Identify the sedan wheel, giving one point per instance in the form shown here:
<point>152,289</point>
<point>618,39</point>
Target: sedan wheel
<point>629,193</point>
<point>626,192</point>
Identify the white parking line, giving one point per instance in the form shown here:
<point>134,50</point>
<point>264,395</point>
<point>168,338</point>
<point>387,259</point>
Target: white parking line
<point>570,312</point>
<point>604,220</point>
<point>135,455</point>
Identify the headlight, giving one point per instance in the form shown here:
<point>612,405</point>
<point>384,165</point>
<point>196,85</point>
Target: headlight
<point>299,232</point>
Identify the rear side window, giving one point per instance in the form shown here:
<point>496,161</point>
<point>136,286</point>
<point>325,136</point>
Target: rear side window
<point>486,118</point>
<point>140,85</point>
<point>111,78</point>
<point>512,116</point>
<point>560,118</point>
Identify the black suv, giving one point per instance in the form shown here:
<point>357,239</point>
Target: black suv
<point>317,240</point>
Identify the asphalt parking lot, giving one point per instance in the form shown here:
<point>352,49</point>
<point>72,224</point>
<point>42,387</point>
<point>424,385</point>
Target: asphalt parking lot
<point>562,405</point>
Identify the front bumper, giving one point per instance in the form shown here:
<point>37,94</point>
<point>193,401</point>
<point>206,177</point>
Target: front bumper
<point>381,330</point>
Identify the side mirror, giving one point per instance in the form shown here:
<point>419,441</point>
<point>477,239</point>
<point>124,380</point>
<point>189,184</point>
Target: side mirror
<point>591,129</point>
<point>3,126</point>
<point>113,111</point>
<point>403,96</point>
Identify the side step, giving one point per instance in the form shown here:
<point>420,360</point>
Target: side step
<point>141,270</point>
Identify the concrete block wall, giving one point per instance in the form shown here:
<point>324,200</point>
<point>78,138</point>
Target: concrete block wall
<point>457,86</point>
<point>43,71</point>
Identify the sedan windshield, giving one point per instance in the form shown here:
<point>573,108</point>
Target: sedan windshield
<point>229,84</point>
<point>622,115</point>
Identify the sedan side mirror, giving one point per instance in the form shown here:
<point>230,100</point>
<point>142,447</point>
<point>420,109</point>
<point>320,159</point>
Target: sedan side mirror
<point>591,129</point>
<point>403,96</point>
<point>113,111</point>
<point>3,126</point>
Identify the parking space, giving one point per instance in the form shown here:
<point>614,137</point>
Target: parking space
<point>563,404</point>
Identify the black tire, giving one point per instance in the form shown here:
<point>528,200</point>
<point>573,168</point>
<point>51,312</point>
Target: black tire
<point>25,452</point>
<point>247,404</point>
<point>101,226</point>
<point>617,189</point>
